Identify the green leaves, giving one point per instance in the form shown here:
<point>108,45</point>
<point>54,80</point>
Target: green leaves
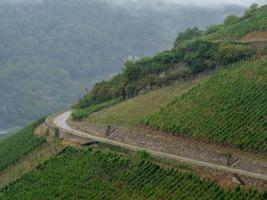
<point>91,174</point>
<point>18,145</point>
<point>228,108</point>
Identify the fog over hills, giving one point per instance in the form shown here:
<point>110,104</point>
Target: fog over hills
<point>51,50</point>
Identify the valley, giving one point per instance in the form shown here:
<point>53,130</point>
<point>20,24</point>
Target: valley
<point>188,123</point>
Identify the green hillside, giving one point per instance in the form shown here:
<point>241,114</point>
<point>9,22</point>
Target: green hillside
<point>229,108</point>
<point>18,145</point>
<point>51,50</point>
<point>164,69</point>
<point>254,20</point>
<point>89,174</point>
<point>130,112</point>
<point>195,51</point>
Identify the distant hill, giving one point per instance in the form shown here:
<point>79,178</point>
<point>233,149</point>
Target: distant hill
<point>51,50</point>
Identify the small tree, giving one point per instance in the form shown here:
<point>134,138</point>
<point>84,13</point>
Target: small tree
<point>188,34</point>
<point>131,70</point>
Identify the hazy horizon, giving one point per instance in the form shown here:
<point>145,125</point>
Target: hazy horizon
<point>205,3</point>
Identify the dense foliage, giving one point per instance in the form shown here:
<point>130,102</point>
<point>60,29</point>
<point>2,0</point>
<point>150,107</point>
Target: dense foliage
<point>164,69</point>
<point>51,50</point>
<point>85,174</point>
<point>18,145</point>
<point>229,108</point>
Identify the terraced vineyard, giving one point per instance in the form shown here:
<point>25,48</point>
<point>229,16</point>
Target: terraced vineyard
<point>87,174</point>
<point>229,108</point>
<point>129,112</point>
<point>18,145</point>
<point>252,21</point>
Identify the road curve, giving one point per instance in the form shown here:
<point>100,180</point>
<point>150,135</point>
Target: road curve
<point>60,122</point>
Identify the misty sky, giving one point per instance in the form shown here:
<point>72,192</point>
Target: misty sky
<point>212,2</point>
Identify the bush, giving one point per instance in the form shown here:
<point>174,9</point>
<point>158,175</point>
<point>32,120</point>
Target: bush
<point>213,28</point>
<point>188,34</point>
<point>199,55</point>
<point>144,155</point>
<point>165,57</point>
<point>230,20</point>
<point>132,71</point>
<point>230,53</point>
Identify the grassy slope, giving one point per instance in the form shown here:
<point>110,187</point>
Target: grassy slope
<point>18,145</point>
<point>85,174</point>
<point>229,108</point>
<point>130,112</point>
<point>256,21</point>
<point>29,162</point>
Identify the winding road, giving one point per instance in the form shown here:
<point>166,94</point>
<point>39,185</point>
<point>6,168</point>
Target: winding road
<point>60,121</point>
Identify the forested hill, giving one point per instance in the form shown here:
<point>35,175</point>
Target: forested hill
<point>51,50</point>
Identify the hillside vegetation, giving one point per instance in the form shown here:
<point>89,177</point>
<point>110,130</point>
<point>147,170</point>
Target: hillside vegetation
<point>254,20</point>
<point>51,50</point>
<point>194,52</point>
<point>87,174</point>
<point>132,111</point>
<point>29,162</point>
<point>18,145</point>
<point>229,108</point>
<point>163,70</point>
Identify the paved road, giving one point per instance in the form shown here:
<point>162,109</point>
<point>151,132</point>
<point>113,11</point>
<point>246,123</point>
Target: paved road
<point>60,122</point>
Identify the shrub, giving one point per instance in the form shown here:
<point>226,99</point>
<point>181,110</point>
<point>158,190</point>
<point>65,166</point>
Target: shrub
<point>188,34</point>
<point>199,55</point>
<point>213,28</point>
<point>230,20</point>
<point>144,155</point>
<point>132,71</point>
<point>230,53</point>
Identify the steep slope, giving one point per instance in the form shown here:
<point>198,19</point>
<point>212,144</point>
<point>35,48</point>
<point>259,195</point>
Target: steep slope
<point>132,111</point>
<point>87,174</point>
<point>254,20</point>
<point>48,45</point>
<point>195,51</point>
<point>229,108</point>
<point>18,145</point>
